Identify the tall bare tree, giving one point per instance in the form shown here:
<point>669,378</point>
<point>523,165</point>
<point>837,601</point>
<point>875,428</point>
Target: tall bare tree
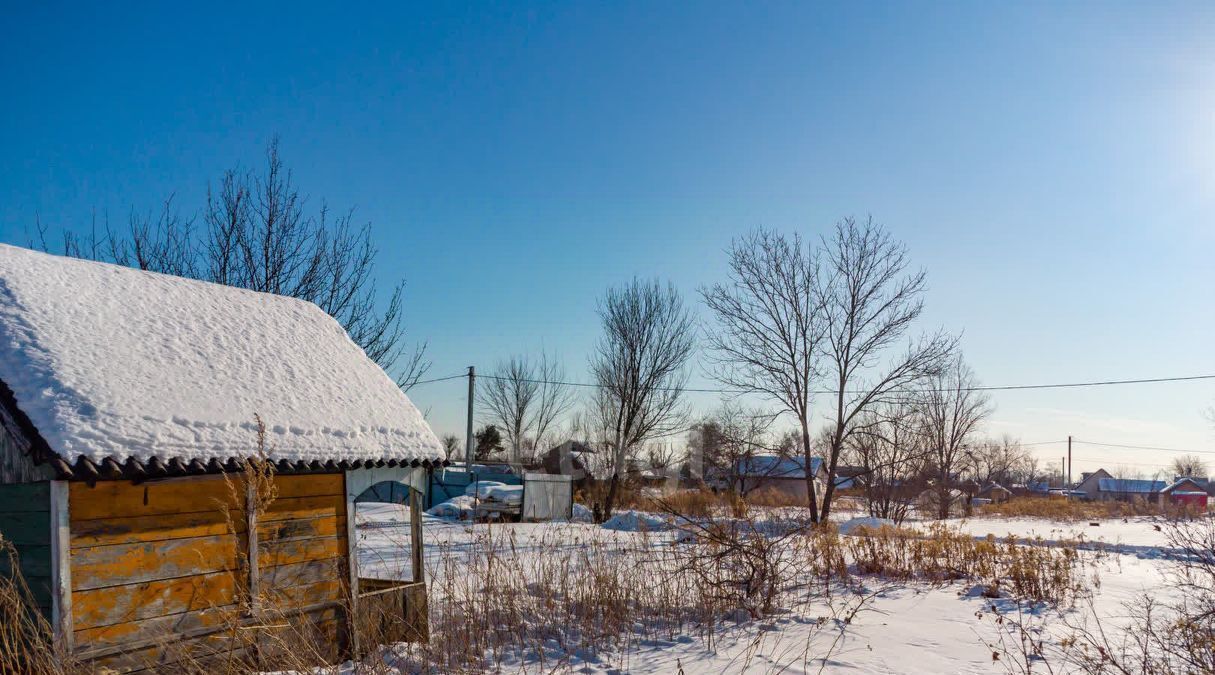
<point>768,328</point>
<point>890,448</point>
<point>257,233</point>
<point>507,395</point>
<point>1191,466</point>
<point>870,301</point>
<point>523,397</point>
<point>951,409</point>
<point>553,400</point>
<point>640,367</point>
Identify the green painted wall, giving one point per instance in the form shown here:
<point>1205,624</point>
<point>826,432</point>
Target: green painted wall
<point>25,522</point>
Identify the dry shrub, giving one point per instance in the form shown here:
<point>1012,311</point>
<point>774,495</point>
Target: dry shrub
<point>1175,634</point>
<point>774,498</point>
<point>25,634</point>
<point>1035,572</point>
<point>696,503</point>
<point>1069,509</point>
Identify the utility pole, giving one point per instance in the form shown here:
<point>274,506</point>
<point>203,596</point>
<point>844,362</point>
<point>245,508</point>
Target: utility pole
<point>1069,465</point>
<point>468,447</point>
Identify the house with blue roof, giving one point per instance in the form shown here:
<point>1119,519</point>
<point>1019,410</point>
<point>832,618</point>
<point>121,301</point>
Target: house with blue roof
<point>783,474</point>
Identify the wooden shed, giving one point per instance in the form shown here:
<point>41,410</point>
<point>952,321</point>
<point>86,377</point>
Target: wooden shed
<point>180,463</point>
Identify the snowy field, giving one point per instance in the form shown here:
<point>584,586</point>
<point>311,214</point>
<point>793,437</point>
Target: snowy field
<point>906,627</point>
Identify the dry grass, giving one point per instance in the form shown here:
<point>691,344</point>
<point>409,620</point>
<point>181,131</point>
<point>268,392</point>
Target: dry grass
<point>1034,572</point>
<point>1069,509</point>
<point>25,634</point>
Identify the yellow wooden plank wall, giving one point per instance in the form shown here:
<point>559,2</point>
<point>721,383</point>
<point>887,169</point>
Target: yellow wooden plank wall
<point>163,559</point>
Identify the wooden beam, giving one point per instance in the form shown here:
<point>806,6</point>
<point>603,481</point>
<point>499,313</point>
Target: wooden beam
<point>415,532</point>
<point>61,568</point>
<point>255,584</point>
<point>352,565</point>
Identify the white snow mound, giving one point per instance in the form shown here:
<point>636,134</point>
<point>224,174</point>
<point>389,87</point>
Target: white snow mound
<point>635,521</point>
<point>461,506</point>
<point>109,361</point>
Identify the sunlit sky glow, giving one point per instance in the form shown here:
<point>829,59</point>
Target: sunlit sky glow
<point>1051,167</point>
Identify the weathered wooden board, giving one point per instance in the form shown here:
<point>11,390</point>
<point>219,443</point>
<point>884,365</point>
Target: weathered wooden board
<point>34,562</point>
<point>103,566</point>
<point>107,606</point>
<point>296,508</point>
<point>309,485</point>
<point>119,499</point>
<point>209,652</point>
<point>111,531</point>
<point>25,497</point>
<point>301,528</point>
<point>29,527</point>
<point>274,553</point>
<point>164,628</point>
<point>285,598</point>
<point>302,574</point>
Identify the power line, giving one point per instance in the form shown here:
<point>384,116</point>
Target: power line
<point>1145,447</point>
<point>1010,387</point>
<point>439,379</point>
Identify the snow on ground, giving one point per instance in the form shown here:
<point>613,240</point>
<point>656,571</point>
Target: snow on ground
<point>110,361</point>
<point>905,629</point>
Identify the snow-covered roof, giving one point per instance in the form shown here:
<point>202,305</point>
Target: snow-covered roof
<point>1182,482</point>
<point>1135,485</point>
<point>113,362</point>
<point>774,466</point>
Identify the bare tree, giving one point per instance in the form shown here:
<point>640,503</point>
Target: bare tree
<point>1191,466</point>
<point>951,409</point>
<point>256,233</point>
<point>507,396</point>
<point>523,397</point>
<point>999,460</point>
<point>870,301</point>
<point>452,446</point>
<point>553,399</point>
<point>639,366</point>
<point>769,325</point>
<point>890,448</point>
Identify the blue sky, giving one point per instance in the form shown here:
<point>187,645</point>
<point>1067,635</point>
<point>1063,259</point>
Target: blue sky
<point>1051,167</point>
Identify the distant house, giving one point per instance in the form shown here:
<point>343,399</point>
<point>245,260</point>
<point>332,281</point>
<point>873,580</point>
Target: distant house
<point>1128,489</point>
<point>847,477</point>
<point>786,474</point>
<point>1184,492</point>
<point>995,493</point>
<point>1089,483</point>
<point>569,459</point>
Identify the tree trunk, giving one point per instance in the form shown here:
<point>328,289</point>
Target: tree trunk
<point>806,454</point>
<point>611,496</point>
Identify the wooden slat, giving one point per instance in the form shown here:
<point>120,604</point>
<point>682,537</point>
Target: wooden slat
<point>25,497</point>
<point>119,499</point>
<point>301,574</point>
<point>33,561</point>
<point>28,527</point>
<point>301,528</point>
<point>103,566</point>
<point>155,627</point>
<point>211,649</point>
<point>275,553</point>
<point>297,508</point>
<point>110,531</point>
<point>285,598</point>
<point>310,485</point>
<point>108,606</point>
